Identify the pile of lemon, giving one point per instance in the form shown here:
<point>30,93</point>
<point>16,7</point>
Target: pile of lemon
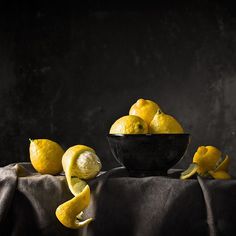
<point>79,163</point>
<point>146,116</point>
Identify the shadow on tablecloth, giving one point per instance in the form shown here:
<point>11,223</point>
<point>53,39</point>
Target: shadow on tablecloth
<point>120,205</point>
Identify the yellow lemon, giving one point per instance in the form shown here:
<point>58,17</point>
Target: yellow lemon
<point>208,161</point>
<point>207,158</point>
<point>129,124</point>
<point>69,212</point>
<point>163,123</point>
<point>146,109</point>
<point>79,162</point>
<point>46,156</point>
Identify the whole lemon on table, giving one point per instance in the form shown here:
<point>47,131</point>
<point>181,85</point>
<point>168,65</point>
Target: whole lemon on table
<point>163,123</point>
<point>46,156</point>
<point>146,109</point>
<point>129,124</point>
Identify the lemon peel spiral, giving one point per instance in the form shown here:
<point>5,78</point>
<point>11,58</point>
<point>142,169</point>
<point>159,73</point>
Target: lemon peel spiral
<point>70,213</point>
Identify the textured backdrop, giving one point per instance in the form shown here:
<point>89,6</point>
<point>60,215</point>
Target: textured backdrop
<point>67,73</point>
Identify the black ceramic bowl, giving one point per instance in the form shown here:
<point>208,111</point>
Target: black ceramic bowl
<point>148,154</point>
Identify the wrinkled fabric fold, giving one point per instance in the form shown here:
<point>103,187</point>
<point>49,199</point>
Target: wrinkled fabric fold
<point>120,205</point>
<point>155,205</point>
<point>8,183</point>
<point>220,200</point>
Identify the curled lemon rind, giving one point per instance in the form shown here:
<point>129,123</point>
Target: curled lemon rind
<point>217,171</point>
<point>70,213</point>
<point>192,170</point>
<point>67,213</point>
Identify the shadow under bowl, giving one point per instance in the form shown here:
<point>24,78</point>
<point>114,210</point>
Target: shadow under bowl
<point>148,154</point>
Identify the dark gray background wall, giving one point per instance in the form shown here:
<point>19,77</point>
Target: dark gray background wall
<point>67,73</point>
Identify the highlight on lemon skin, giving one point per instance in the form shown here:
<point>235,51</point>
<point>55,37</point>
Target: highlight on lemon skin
<point>129,124</point>
<point>208,161</point>
<point>68,213</point>
<point>145,109</point>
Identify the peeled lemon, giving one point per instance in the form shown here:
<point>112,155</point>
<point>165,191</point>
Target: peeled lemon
<point>207,158</point>
<point>163,123</point>
<point>208,162</point>
<point>79,162</point>
<point>129,124</point>
<point>146,109</point>
<point>46,156</point>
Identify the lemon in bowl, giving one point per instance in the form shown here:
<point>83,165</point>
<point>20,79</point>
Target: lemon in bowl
<point>164,123</point>
<point>130,124</point>
<point>147,147</point>
<point>145,109</point>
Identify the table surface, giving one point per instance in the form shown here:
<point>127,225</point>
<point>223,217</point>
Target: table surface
<point>120,205</point>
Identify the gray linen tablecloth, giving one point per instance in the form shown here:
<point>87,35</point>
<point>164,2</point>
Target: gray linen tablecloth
<point>120,205</point>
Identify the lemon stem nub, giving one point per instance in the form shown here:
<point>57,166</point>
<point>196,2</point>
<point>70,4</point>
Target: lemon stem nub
<point>31,140</point>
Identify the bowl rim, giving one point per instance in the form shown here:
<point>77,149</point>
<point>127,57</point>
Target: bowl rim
<point>148,135</point>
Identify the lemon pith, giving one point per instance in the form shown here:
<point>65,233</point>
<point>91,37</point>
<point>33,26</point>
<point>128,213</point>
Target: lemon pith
<point>69,163</point>
<point>88,165</point>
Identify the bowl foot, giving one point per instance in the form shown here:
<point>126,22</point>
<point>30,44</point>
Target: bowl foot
<point>144,173</point>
